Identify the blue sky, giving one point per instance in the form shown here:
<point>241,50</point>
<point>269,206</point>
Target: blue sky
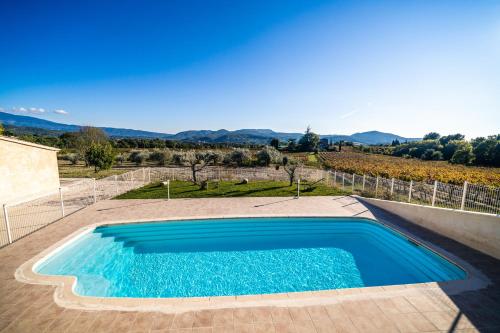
<point>407,67</point>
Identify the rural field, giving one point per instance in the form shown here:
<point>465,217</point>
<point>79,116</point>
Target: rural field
<point>407,169</point>
<point>186,189</point>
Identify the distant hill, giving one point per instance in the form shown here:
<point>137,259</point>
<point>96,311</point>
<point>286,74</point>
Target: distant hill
<point>32,125</point>
<point>27,121</point>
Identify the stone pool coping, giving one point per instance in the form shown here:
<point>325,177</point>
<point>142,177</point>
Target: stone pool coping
<point>65,296</point>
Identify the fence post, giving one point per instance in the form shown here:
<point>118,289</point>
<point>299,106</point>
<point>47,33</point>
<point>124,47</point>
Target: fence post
<point>149,175</point>
<point>376,187</point>
<point>464,194</point>
<point>298,188</point>
<point>168,189</point>
<point>352,189</point>
<point>7,224</point>
<point>343,180</point>
<point>62,201</point>
<point>364,180</point>
<point>116,184</point>
<point>143,175</point>
<point>434,192</point>
<point>335,178</point>
<point>392,186</point>
<point>95,197</point>
<point>409,192</point>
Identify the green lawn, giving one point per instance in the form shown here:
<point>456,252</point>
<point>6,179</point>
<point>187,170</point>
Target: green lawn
<point>183,189</point>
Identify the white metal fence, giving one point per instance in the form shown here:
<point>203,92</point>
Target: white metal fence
<point>20,219</point>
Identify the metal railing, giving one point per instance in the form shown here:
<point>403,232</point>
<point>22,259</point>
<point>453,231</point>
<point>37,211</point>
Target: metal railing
<point>20,219</point>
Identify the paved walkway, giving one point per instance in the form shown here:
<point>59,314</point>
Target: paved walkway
<point>31,308</point>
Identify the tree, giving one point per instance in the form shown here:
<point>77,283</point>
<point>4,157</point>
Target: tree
<point>290,166</point>
<point>431,154</point>
<point>240,157</point>
<point>87,136</point>
<point>309,141</point>
<point>292,145</point>
<point>197,161</point>
<point>138,157</point>
<point>1,129</point>
<point>453,137</point>
<point>486,151</point>
<point>432,136</point>
<point>161,157</point>
<point>450,147</point>
<point>275,142</point>
<point>395,143</point>
<point>463,154</point>
<point>268,155</point>
<point>100,156</point>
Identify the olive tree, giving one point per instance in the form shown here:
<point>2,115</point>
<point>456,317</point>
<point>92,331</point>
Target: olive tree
<point>290,166</point>
<point>268,155</point>
<point>196,161</point>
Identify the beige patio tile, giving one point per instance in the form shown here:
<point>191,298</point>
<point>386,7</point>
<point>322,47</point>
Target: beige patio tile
<point>317,313</point>
<point>123,321</point>
<point>412,322</point>
<point>83,322</point>
<point>324,326</point>
<point>264,327</point>
<point>243,316</point>
<point>304,326</point>
<point>262,314</point>
<point>425,304</point>
<point>204,318</point>
<point>183,320</point>
<point>281,315</point>
<point>223,317</point>
<point>243,328</point>
<point>446,320</point>
<point>299,314</point>
<point>284,327</point>
<point>162,321</point>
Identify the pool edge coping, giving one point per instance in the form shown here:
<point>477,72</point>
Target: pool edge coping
<point>65,296</point>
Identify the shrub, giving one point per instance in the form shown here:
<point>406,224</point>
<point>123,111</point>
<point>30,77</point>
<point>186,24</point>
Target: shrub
<point>431,154</point>
<point>239,157</point>
<point>100,156</point>
<point>268,155</point>
<point>120,158</point>
<point>73,158</point>
<point>162,157</point>
<point>463,155</point>
<point>138,157</point>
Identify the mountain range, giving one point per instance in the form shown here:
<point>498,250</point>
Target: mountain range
<point>32,125</point>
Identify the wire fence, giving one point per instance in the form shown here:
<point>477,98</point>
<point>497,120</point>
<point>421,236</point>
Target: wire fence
<point>20,219</point>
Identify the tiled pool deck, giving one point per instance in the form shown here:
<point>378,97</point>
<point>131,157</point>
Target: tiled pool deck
<point>418,308</point>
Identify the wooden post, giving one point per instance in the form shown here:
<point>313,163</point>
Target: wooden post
<point>409,192</point>
<point>7,224</point>
<point>95,196</point>
<point>392,186</point>
<point>434,193</point>
<point>464,194</point>
<point>61,200</point>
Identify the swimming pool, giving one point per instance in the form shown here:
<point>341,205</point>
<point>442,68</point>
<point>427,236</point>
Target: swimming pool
<point>219,257</point>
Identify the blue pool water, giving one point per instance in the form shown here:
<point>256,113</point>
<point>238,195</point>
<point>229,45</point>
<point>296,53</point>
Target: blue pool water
<point>243,256</point>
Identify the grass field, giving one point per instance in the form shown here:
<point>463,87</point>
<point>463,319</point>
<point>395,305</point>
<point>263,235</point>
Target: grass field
<point>183,189</point>
<point>67,170</point>
<point>409,169</point>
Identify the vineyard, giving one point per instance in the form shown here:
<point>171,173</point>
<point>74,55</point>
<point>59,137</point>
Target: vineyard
<point>408,169</point>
